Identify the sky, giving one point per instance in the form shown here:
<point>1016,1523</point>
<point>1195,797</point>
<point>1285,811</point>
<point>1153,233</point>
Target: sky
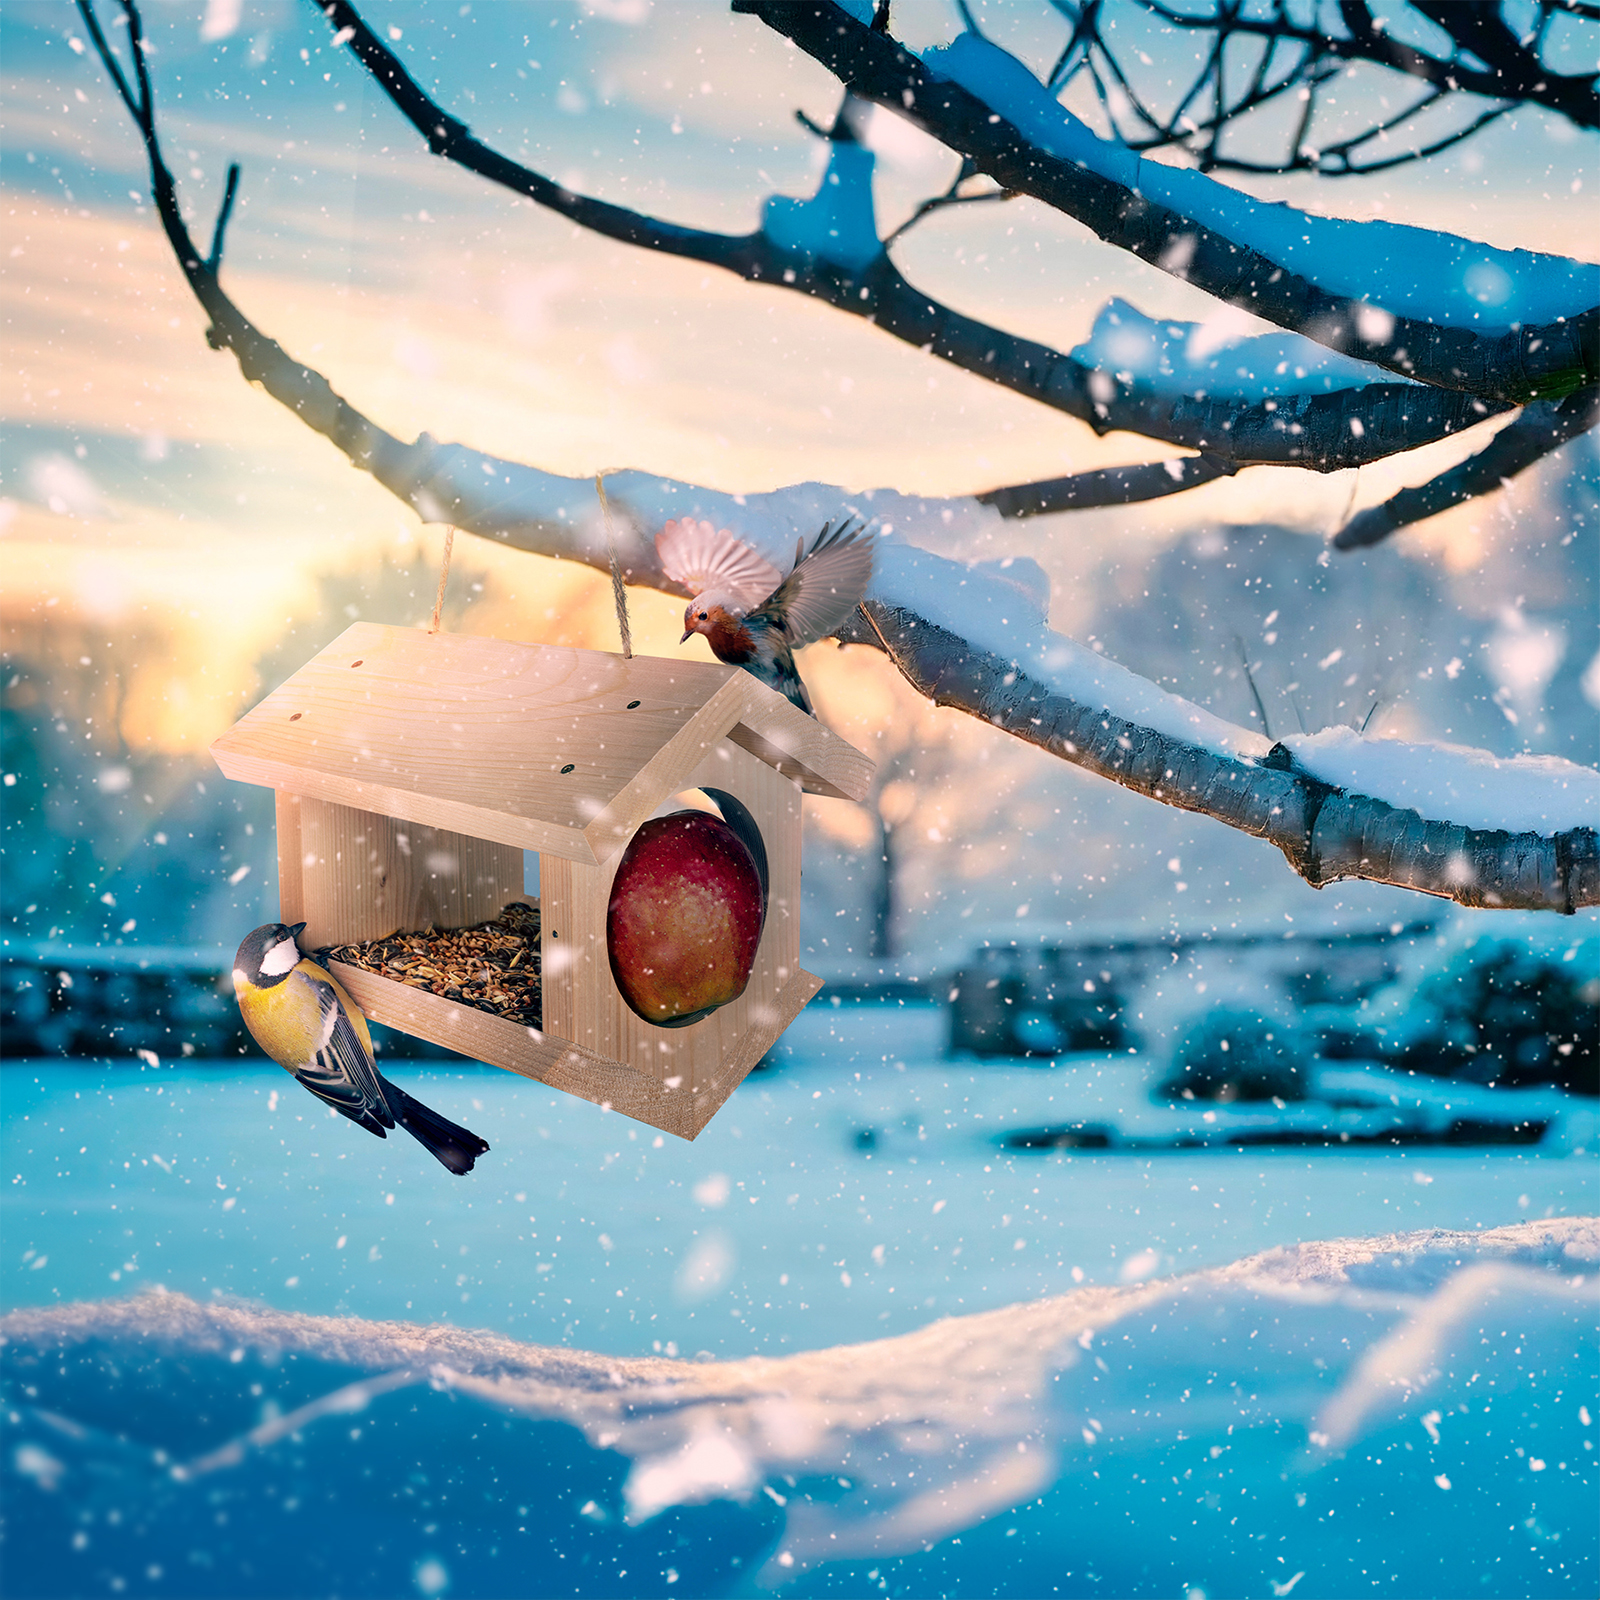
<point>153,505</point>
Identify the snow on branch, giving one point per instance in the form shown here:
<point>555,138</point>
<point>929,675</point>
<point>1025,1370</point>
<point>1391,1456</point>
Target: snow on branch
<point>976,638</point>
<point>838,222</point>
<point>1446,821</point>
<point>1540,430</point>
<point>827,247</point>
<point>1450,312</point>
<point>1198,358</point>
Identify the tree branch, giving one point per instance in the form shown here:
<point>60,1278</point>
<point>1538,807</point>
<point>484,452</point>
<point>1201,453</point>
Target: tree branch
<point>1512,71</point>
<point>1325,833</point>
<point>261,359</point>
<point>1514,366</point>
<point>1316,432</point>
<point>950,199</point>
<point>224,211</point>
<point>1338,161</point>
<point>1109,486</point>
<point>1542,429</point>
<point>1117,724</point>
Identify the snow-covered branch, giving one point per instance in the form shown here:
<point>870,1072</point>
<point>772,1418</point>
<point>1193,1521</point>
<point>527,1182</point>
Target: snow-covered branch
<point>1542,428</point>
<point>827,247</point>
<point>1462,825</point>
<point>1507,326</point>
<point>1447,822</point>
<point>1444,821</point>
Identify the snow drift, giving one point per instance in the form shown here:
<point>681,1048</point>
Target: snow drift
<point>1407,1414</point>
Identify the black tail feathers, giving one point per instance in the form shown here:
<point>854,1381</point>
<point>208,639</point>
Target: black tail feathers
<point>455,1147</point>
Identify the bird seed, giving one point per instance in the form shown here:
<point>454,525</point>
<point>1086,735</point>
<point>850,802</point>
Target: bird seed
<point>493,966</point>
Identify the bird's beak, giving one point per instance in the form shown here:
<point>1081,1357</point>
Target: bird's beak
<point>296,931</point>
<point>688,633</point>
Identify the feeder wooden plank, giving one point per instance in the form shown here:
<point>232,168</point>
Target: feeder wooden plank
<point>800,747</point>
<point>562,1065</point>
<point>365,876</point>
<point>291,891</point>
<point>741,1060</point>
<point>533,746</point>
<point>581,998</point>
<point>666,770</point>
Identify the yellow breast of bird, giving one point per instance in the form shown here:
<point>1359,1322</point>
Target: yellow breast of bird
<point>284,1021</point>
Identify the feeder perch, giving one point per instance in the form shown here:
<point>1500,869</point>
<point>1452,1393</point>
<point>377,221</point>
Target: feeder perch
<point>412,770</point>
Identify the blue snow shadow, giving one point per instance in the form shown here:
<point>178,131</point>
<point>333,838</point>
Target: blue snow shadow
<point>1412,1414</point>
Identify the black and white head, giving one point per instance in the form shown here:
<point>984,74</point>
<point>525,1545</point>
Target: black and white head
<point>268,955</point>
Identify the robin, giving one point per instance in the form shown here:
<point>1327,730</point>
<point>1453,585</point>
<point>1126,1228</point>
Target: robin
<point>754,617</point>
<point>301,1016</point>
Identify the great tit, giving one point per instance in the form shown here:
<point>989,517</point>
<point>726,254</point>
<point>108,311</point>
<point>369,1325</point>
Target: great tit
<point>301,1016</point>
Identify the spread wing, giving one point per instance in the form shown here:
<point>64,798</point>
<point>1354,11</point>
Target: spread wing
<point>826,585</point>
<point>701,558</point>
<point>342,1071</point>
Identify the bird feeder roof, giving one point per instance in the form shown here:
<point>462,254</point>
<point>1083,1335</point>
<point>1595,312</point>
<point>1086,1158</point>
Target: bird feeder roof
<point>550,749</point>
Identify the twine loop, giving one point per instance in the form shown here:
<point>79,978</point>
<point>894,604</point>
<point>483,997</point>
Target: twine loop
<point>444,574</point>
<point>619,595</point>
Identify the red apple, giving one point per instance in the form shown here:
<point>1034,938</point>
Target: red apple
<point>685,917</point>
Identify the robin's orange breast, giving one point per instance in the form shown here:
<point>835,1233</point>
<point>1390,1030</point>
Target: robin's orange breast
<point>731,642</point>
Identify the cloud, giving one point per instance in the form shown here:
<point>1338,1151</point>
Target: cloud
<point>59,482</point>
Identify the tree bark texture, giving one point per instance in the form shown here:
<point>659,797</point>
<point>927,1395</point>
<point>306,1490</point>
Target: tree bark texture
<point>1325,833</point>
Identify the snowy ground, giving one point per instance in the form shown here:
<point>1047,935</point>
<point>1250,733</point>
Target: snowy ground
<point>861,1189</point>
<point>1408,1415</point>
<point>847,1342</point>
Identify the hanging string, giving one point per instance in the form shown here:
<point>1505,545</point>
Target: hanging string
<point>619,595</point>
<point>1350,504</point>
<point>444,574</point>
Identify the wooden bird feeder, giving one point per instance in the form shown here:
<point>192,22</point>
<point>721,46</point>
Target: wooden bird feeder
<point>412,770</point>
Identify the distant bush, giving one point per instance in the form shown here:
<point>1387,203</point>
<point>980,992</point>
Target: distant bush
<point>1235,1055</point>
<point>1506,1014</point>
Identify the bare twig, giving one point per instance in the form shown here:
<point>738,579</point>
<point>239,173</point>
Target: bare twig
<point>261,359</point>
<point>1108,486</point>
<point>1255,693</point>
<point>1524,363</point>
<point>951,198</point>
<point>1508,69</point>
<point>224,211</point>
<point>1541,429</point>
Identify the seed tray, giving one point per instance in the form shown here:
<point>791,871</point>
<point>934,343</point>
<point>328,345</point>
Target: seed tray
<point>493,966</point>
